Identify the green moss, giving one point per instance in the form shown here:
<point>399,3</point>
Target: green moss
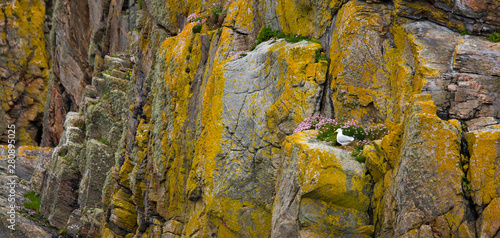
<point>102,140</point>
<point>465,32</point>
<point>358,154</point>
<point>197,28</point>
<point>62,231</point>
<point>494,37</point>
<point>320,56</point>
<point>34,203</point>
<point>68,159</point>
<point>267,33</point>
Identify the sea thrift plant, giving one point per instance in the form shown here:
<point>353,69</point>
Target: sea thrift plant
<point>193,17</point>
<point>240,54</point>
<point>327,127</point>
<point>312,123</point>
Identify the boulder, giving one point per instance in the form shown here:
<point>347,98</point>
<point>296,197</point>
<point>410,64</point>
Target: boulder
<point>321,191</point>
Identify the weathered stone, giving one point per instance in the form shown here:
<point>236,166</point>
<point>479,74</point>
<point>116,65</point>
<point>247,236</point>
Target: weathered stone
<point>427,181</point>
<point>475,55</point>
<point>481,122</point>
<point>321,190</point>
<point>488,224</point>
<point>474,15</point>
<point>24,68</point>
<point>70,39</point>
<point>484,170</point>
<point>115,63</point>
<point>375,160</point>
<point>357,68</point>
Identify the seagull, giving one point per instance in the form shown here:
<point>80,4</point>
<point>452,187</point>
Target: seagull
<point>343,139</point>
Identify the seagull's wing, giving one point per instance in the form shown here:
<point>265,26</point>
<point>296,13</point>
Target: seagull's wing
<point>344,139</point>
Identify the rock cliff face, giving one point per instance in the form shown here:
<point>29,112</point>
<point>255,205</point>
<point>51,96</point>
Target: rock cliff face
<point>24,65</point>
<point>168,122</point>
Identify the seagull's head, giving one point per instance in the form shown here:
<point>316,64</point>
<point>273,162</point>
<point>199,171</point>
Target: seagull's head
<point>339,130</point>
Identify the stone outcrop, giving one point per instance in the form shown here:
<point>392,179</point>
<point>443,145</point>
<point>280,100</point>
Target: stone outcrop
<point>85,154</point>
<point>169,126</point>
<point>27,225</point>
<point>321,191</point>
<point>24,66</point>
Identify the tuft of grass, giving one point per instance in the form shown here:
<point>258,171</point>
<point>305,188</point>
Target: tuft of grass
<point>68,159</point>
<point>62,231</point>
<point>465,32</point>
<point>494,37</point>
<point>102,140</point>
<point>34,203</point>
<point>358,154</point>
<point>320,55</point>
<point>197,28</point>
<point>267,33</point>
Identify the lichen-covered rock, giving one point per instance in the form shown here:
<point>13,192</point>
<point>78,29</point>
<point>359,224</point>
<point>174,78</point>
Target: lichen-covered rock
<point>27,159</point>
<point>61,174</point>
<point>181,138</point>
<point>321,191</point>
<point>475,15</point>
<point>488,223</point>
<point>376,162</point>
<point>484,164</point>
<point>471,91</point>
<point>24,67</point>
<point>425,187</point>
<point>70,39</point>
<point>359,74</point>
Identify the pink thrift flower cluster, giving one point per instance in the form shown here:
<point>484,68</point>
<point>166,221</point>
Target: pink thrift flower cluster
<point>350,123</point>
<point>226,4</point>
<point>192,17</point>
<point>314,122</point>
<point>239,54</point>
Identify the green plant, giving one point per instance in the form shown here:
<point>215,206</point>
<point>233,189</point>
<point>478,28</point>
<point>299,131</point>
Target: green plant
<point>34,203</point>
<point>320,56</point>
<point>104,96</point>
<point>129,75</point>
<point>140,4</point>
<point>197,28</point>
<point>217,11</point>
<point>102,140</point>
<point>358,154</point>
<point>62,231</point>
<point>494,37</point>
<point>465,32</point>
<point>188,57</point>
<point>267,33</point>
<point>68,159</point>
<point>327,133</point>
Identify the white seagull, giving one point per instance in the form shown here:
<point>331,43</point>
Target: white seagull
<point>343,139</point>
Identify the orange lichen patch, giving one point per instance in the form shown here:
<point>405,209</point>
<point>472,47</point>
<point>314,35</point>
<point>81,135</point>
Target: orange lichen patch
<point>359,82</point>
<point>484,167</point>
<point>321,174</point>
<point>300,65</point>
<point>241,14</point>
<point>309,18</point>
<point>488,224</point>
